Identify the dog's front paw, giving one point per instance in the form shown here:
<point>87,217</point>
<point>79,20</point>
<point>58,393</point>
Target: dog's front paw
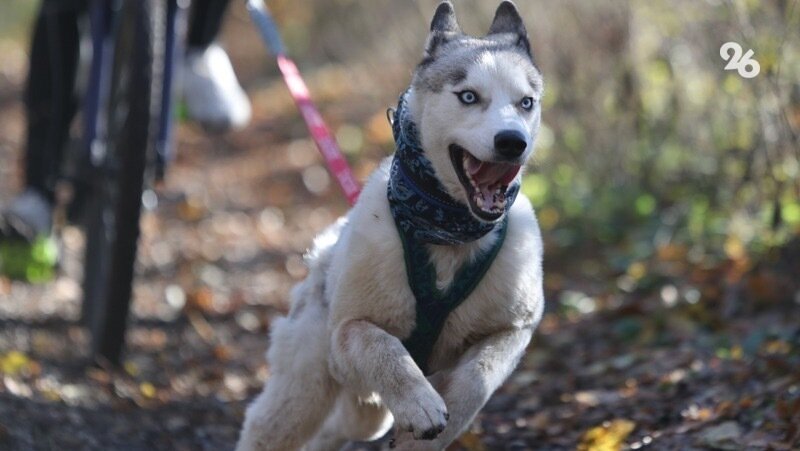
<point>423,413</point>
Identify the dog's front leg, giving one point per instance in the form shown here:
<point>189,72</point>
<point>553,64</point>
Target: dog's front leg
<point>367,357</point>
<point>468,386</point>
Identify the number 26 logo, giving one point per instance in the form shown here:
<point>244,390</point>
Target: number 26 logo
<point>745,65</point>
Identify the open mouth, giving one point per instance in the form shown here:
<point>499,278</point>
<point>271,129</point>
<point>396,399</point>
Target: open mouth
<point>486,182</point>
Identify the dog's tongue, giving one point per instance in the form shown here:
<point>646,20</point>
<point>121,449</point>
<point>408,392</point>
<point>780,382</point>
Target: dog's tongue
<point>489,181</point>
<point>489,174</point>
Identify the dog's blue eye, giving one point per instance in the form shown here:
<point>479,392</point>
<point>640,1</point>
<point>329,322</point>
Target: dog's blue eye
<point>467,97</point>
<point>526,103</point>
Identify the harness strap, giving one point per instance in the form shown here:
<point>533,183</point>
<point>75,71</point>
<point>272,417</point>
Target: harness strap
<point>433,306</point>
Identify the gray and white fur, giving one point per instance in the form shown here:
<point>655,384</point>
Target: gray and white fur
<point>339,371</point>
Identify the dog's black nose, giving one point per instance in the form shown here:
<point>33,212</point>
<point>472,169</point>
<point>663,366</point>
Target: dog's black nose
<point>510,143</point>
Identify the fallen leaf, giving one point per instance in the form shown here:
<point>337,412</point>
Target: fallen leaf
<point>222,352</point>
<point>607,437</point>
<point>14,362</point>
<point>147,389</point>
<point>471,442</point>
<point>191,209</point>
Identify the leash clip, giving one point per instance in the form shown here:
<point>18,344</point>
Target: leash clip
<point>390,115</point>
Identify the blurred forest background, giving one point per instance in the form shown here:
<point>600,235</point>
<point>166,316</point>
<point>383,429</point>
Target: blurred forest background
<point>667,189</point>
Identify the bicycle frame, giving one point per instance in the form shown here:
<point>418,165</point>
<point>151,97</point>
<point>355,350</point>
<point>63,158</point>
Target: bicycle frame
<point>174,51</point>
<point>102,21</point>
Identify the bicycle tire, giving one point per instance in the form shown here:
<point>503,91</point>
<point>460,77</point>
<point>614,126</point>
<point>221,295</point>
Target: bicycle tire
<point>114,209</point>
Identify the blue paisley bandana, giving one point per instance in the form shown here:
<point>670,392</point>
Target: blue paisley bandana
<point>421,207</point>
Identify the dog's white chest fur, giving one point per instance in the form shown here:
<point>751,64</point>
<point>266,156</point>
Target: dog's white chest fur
<point>368,259</point>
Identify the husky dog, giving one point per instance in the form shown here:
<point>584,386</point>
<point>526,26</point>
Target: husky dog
<point>420,302</point>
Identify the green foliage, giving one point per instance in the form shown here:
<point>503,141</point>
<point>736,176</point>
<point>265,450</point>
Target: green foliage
<point>653,143</point>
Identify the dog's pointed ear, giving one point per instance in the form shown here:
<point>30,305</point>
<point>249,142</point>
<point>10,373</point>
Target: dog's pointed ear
<point>444,19</point>
<point>508,20</point>
<point>444,27</point>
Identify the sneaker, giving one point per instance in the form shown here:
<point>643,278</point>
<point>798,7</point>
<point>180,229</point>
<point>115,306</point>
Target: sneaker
<point>29,216</point>
<point>35,261</point>
<point>212,92</point>
<point>27,249</point>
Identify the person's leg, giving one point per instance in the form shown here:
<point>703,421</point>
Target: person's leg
<point>205,22</point>
<point>212,92</point>
<point>50,93</point>
<point>50,106</point>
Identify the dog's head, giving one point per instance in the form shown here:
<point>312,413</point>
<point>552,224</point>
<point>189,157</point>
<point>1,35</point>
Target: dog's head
<point>476,102</point>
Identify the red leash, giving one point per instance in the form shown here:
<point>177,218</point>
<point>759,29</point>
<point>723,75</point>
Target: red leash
<point>325,141</point>
<point>319,131</point>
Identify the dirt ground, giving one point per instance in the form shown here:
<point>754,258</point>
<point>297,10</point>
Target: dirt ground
<point>692,363</point>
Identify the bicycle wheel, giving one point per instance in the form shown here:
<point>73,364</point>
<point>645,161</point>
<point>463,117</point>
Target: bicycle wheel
<point>130,112</point>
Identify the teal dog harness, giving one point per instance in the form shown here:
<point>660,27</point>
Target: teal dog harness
<point>424,213</point>
<point>434,305</point>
